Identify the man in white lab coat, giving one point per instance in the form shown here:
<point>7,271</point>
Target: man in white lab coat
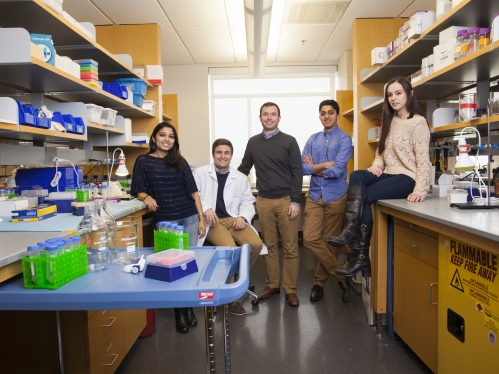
<point>228,206</point>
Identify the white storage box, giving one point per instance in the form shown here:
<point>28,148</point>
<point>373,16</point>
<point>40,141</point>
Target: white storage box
<point>455,3</point>
<point>443,54</point>
<point>6,207</point>
<point>140,138</point>
<point>449,33</point>
<point>495,30</point>
<point>443,6</point>
<point>150,106</point>
<point>108,117</point>
<point>419,22</point>
<point>457,196</point>
<point>94,113</point>
<point>154,74</point>
<point>378,56</point>
<point>128,130</point>
<point>440,190</point>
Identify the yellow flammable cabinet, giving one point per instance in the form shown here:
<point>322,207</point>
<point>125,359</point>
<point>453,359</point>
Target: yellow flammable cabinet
<point>468,308</point>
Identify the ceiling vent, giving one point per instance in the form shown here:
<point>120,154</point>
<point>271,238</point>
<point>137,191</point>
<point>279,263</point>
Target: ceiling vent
<point>316,12</point>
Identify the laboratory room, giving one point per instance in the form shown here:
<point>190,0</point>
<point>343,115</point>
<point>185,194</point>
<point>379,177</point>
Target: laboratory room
<point>281,186</point>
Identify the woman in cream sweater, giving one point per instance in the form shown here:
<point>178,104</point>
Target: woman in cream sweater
<point>400,170</point>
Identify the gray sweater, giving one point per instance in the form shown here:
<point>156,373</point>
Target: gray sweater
<point>277,162</point>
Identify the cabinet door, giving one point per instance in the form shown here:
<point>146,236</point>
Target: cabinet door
<point>100,327</point>
<point>414,317</point>
<point>110,356</point>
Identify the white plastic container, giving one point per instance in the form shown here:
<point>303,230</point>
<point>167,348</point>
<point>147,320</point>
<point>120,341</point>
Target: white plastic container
<point>108,117</point>
<point>150,106</point>
<point>94,113</point>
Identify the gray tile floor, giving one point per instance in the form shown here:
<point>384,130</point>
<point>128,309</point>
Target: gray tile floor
<point>322,337</point>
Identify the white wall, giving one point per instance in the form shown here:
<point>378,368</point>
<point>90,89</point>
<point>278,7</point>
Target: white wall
<point>190,83</point>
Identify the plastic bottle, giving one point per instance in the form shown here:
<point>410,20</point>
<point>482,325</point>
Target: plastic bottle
<point>458,45</point>
<point>180,238</point>
<point>464,46</point>
<point>473,40</point>
<point>68,245</point>
<point>105,192</point>
<point>52,251</point>
<point>33,252</point>
<point>484,39</point>
<point>76,242</point>
<point>42,248</point>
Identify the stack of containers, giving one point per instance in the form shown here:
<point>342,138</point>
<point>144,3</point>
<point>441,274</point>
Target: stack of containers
<point>139,89</point>
<point>89,71</point>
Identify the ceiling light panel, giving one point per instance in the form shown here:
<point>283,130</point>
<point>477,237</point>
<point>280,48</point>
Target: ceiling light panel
<point>128,12</point>
<point>173,51</point>
<point>195,13</point>
<point>85,11</point>
<point>314,12</point>
<point>208,44</point>
<point>238,36</point>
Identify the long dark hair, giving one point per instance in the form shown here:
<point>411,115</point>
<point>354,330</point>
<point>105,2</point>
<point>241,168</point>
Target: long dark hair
<point>388,112</point>
<point>173,158</point>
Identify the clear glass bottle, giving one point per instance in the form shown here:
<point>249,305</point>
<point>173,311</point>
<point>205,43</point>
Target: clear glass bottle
<point>473,40</point>
<point>98,242</point>
<point>458,45</point>
<point>484,39</point>
<point>464,46</point>
<point>126,248</point>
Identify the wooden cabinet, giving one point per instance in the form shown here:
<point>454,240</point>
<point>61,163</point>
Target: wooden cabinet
<point>415,310</point>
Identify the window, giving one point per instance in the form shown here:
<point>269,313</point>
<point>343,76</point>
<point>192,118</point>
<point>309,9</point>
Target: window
<point>236,100</point>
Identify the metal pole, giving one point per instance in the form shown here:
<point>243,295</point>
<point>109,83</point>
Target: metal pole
<point>107,161</point>
<point>489,174</point>
<point>209,324</point>
<point>59,342</point>
<point>227,338</point>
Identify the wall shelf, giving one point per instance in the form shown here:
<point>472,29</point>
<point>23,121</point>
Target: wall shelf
<point>377,106</point>
<point>166,118</point>
<point>37,17</point>
<point>347,113</point>
<point>455,128</point>
<point>373,141</point>
<point>96,128</point>
<point>133,145</point>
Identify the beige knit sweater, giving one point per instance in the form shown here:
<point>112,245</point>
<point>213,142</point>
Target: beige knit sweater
<point>407,152</point>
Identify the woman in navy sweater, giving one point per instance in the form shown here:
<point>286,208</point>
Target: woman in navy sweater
<point>163,180</point>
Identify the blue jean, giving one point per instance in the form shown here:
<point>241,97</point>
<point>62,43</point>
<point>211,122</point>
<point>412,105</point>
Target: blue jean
<point>386,186</point>
<point>190,226</point>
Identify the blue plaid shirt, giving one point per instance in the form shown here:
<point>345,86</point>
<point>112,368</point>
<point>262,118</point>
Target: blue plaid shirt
<point>333,146</point>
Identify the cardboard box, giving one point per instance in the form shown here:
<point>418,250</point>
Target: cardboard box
<point>443,6</point>
<point>140,70</point>
<point>455,3</point>
<point>45,42</point>
<point>378,56</point>
<point>35,211</point>
<point>36,51</point>
<point>449,33</point>
<point>416,77</point>
<point>154,74</point>
<point>443,54</point>
<point>7,206</point>
<point>419,22</point>
<point>440,190</point>
<point>34,219</point>
<point>430,60</point>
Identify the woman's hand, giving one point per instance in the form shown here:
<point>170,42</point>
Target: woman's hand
<point>376,170</point>
<point>413,197</point>
<point>201,227</point>
<point>151,203</point>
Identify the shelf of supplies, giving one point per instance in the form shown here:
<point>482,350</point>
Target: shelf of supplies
<point>455,128</point>
<point>374,107</point>
<point>39,76</point>
<point>407,61</point>
<point>347,113</point>
<point>36,17</point>
<point>8,126</point>
<point>29,133</point>
<point>96,128</point>
<point>372,141</point>
<point>145,146</point>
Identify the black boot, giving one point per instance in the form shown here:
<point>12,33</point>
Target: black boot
<point>192,321</point>
<point>353,212</point>
<point>360,259</point>
<point>345,286</point>
<point>181,320</point>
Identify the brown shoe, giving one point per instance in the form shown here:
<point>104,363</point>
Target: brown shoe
<point>236,308</point>
<point>292,299</point>
<point>268,292</point>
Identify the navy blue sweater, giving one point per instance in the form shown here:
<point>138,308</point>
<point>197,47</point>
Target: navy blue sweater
<point>171,189</point>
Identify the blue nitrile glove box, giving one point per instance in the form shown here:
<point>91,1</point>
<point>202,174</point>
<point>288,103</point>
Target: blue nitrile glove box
<point>27,178</point>
<point>171,265</point>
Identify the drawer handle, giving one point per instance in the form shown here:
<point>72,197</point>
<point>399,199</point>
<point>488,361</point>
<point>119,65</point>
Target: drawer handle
<point>114,320</point>
<point>115,357</point>
<point>412,245</point>
<point>431,293</point>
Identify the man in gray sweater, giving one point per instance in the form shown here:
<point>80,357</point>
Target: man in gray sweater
<point>277,160</point>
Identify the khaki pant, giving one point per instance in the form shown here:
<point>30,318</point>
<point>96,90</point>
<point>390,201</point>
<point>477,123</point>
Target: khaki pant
<point>323,220</point>
<point>225,234</point>
<point>274,220</point>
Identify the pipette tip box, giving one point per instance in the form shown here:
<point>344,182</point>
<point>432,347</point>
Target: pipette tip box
<point>171,265</point>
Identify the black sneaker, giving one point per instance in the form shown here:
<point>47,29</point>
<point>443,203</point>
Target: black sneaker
<point>236,308</point>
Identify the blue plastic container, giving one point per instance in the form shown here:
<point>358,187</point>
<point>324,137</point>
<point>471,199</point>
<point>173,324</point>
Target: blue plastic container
<point>138,99</point>
<point>80,125</point>
<point>42,122</point>
<point>57,117</point>
<point>26,114</point>
<point>63,206</point>
<point>139,85</point>
<point>27,178</point>
<point>116,89</point>
<point>69,123</point>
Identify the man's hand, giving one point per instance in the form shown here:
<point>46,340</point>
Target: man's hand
<point>211,217</point>
<point>308,159</point>
<point>239,223</point>
<point>293,211</point>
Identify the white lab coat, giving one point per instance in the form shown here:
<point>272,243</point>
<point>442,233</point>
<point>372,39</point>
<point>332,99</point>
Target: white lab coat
<point>239,201</point>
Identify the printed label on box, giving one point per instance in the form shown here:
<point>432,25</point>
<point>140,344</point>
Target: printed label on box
<point>206,295</point>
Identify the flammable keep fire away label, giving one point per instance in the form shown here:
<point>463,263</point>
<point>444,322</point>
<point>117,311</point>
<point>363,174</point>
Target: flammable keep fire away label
<point>473,271</point>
